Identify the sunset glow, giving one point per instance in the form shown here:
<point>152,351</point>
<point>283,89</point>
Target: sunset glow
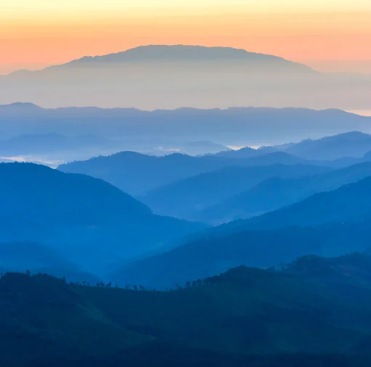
<point>330,35</point>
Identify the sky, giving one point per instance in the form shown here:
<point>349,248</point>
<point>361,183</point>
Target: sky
<point>329,35</point>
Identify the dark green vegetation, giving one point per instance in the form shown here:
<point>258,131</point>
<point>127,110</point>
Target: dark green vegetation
<point>184,198</point>
<point>264,248</point>
<point>77,214</point>
<point>315,305</point>
<point>313,312</point>
<point>38,258</point>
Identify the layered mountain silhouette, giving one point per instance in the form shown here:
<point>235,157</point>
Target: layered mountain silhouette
<point>352,144</point>
<point>349,203</point>
<point>88,220</point>
<point>184,53</point>
<point>330,148</point>
<point>144,130</point>
<point>305,308</point>
<point>258,248</point>
<point>192,147</point>
<point>276,192</point>
<point>55,145</point>
<point>178,76</point>
<point>138,173</point>
<point>186,197</point>
<point>38,258</point>
<point>334,222</point>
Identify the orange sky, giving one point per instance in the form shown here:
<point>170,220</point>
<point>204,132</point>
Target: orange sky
<point>328,35</point>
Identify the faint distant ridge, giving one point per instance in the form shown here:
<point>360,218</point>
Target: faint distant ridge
<point>184,53</point>
<point>172,76</point>
<point>21,107</point>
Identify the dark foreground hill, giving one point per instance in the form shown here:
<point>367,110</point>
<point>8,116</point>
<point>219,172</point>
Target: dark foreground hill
<point>85,218</point>
<point>36,257</point>
<point>305,308</point>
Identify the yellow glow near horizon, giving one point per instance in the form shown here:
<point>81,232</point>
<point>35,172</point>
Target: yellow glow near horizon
<point>40,32</point>
<point>44,6</point>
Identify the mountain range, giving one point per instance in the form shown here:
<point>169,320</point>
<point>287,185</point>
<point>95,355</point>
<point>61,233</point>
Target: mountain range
<point>328,223</point>
<point>351,144</point>
<point>144,130</point>
<point>235,317</point>
<point>88,221</point>
<point>168,77</point>
<point>185,198</point>
<point>331,148</point>
<point>274,193</point>
<point>165,227</point>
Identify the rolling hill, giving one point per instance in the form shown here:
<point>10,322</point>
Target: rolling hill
<point>212,255</point>
<point>303,309</point>
<point>149,129</point>
<point>87,219</point>
<point>186,197</point>
<point>351,144</point>
<point>139,173</point>
<point>349,203</point>
<point>276,192</point>
<point>309,226</point>
<point>38,258</point>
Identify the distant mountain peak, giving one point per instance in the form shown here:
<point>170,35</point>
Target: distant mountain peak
<point>22,105</point>
<point>186,53</point>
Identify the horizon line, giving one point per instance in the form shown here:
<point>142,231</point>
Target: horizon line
<point>32,105</point>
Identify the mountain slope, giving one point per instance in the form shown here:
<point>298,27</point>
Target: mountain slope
<point>274,193</point>
<point>349,203</point>
<point>138,173</point>
<point>85,218</point>
<point>352,144</point>
<point>41,318</point>
<point>231,126</point>
<point>38,258</point>
<point>183,53</point>
<point>177,76</point>
<point>303,309</point>
<point>215,254</point>
<point>185,197</point>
